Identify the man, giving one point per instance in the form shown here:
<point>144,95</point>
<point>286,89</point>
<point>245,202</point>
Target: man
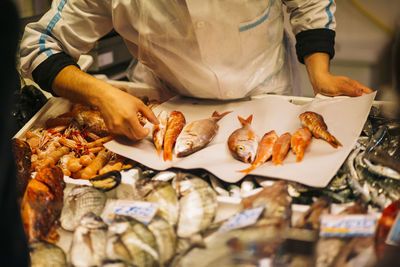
<point>207,49</point>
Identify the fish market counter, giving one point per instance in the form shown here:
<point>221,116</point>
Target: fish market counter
<point>85,205</point>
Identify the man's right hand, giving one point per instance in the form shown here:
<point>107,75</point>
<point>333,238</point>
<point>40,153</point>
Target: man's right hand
<point>118,108</point>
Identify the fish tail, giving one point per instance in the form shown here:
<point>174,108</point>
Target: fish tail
<point>300,155</point>
<point>334,142</point>
<point>159,150</point>
<point>248,170</point>
<point>220,116</point>
<point>167,155</point>
<point>245,121</point>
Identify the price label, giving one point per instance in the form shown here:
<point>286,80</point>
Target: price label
<point>140,210</point>
<point>347,225</point>
<point>243,219</point>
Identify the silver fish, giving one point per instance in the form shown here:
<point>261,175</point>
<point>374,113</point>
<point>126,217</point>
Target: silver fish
<point>197,205</point>
<point>89,242</point>
<point>197,134</point>
<point>79,200</point>
<point>165,236</point>
<point>242,143</point>
<point>46,254</point>
<point>131,242</point>
<point>161,193</point>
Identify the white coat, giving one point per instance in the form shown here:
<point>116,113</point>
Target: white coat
<point>222,49</point>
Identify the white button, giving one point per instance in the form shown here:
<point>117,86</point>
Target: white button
<point>200,24</point>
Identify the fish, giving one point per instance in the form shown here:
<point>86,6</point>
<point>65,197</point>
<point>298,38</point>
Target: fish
<point>242,143</point>
<point>197,204</point>
<point>281,148</point>
<point>78,201</point>
<point>46,254</point>
<point>198,134</point>
<point>42,204</point>
<point>316,124</point>
<point>264,150</point>
<point>89,241</point>
<point>132,242</point>
<point>161,193</point>
<point>165,236</point>
<point>159,130</point>
<point>300,141</point>
<point>176,122</point>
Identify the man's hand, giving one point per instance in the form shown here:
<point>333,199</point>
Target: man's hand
<point>325,83</point>
<point>119,109</point>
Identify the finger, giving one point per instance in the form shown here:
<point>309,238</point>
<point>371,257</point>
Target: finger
<point>138,130</point>
<point>351,88</point>
<point>149,114</point>
<point>364,89</point>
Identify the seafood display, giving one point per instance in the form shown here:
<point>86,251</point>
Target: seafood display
<point>197,134</point>
<point>74,142</point>
<point>242,143</point>
<point>198,219</point>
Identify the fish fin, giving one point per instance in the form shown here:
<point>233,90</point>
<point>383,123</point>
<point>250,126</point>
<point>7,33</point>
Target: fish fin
<point>299,157</point>
<point>220,116</point>
<point>334,142</point>
<point>248,170</point>
<point>245,121</point>
<point>167,155</point>
<point>159,151</point>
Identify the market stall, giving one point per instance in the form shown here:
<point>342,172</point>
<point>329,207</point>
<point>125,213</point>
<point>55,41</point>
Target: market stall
<point>89,201</point>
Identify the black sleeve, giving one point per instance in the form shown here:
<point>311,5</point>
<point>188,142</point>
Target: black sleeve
<point>45,73</point>
<point>316,40</point>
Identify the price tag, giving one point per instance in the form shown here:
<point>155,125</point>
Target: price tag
<point>140,210</point>
<point>347,225</point>
<point>243,219</point>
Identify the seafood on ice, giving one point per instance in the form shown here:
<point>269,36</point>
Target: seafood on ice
<point>264,150</point>
<point>242,143</point>
<point>198,134</point>
<point>316,124</point>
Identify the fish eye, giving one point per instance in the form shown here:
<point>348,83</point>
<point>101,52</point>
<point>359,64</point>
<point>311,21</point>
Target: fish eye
<point>188,143</point>
<point>240,148</point>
